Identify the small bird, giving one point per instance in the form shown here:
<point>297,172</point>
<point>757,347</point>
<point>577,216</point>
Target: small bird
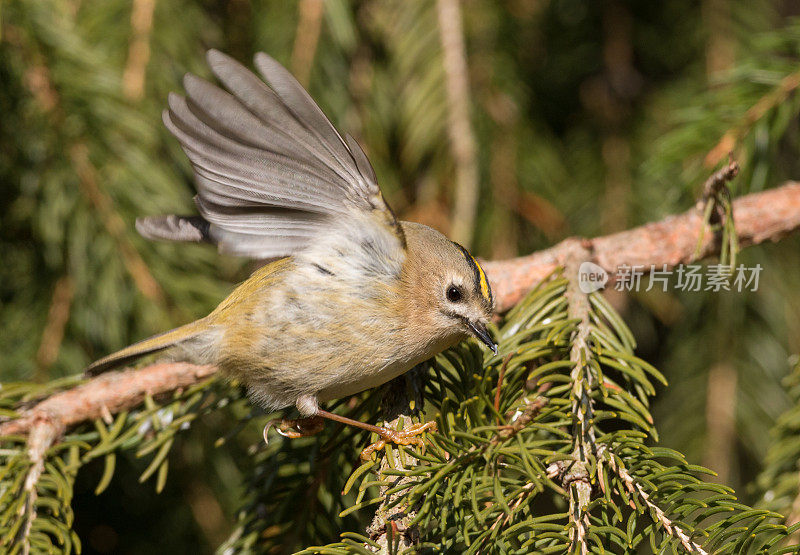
<point>351,298</point>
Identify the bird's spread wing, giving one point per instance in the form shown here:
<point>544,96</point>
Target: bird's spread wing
<point>270,168</point>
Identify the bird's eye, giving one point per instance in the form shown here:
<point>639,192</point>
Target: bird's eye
<point>454,294</point>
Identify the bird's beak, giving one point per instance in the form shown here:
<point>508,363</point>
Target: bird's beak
<point>479,330</point>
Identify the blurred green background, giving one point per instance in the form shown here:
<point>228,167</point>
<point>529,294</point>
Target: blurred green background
<point>559,117</point>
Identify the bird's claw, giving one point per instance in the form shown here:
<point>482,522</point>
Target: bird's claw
<point>295,428</point>
<point>406,436</point>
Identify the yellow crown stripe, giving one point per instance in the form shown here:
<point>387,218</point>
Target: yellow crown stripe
<point>484,283</point>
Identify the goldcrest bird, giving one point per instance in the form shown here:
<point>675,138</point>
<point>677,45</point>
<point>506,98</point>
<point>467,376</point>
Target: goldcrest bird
<point>352,297</point>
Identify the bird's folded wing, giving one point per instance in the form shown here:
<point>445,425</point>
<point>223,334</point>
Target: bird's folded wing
<point>271,170</point>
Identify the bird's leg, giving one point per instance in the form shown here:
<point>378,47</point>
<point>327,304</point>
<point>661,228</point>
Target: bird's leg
<point>406,436</point>
<point>296,427</point>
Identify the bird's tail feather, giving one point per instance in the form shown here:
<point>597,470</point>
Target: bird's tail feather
<point>145,347</point>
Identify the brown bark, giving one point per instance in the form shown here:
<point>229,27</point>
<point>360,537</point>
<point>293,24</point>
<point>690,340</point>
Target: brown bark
<point>759,217</point>
<point>107,394</point>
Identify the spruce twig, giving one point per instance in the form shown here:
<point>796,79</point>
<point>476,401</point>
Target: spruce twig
<point>582,406</point>
<point>391,527</point>
<point>715,205</point>
<point>636,489</point>
<point>44,433</point>
<point>765,104</point>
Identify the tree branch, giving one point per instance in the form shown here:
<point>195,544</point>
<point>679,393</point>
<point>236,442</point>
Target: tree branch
<point>758,217</point>
<point>768,215</point>
<point>391,525</point>
<point>306,38</point>
<point>133,78</point>
<point>462,138</point>
<point>580,487</point>
<point>636,489</point>
<point>42,436</point>
<point>107,394</point>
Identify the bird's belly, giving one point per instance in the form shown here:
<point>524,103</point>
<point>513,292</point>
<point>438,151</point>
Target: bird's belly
<point>356,380</point>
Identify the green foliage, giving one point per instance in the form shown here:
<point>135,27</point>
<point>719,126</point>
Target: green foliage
<point>498,475</point>
<point>581,130</point>
<point>149,432</point>
<point>296,489</point>
<point>779,482</point>
<point>486,484</point>
<point>82,155</point>
<point>755,104</point>
<point>42,518</point>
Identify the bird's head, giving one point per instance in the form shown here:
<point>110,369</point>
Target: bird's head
<point>447,287</point>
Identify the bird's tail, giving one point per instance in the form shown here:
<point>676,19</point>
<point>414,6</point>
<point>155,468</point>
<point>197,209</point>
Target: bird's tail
<point>145,347</point>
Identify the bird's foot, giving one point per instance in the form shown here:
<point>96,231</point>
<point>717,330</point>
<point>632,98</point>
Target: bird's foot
<point>406,436</point>
<point>295,428</point>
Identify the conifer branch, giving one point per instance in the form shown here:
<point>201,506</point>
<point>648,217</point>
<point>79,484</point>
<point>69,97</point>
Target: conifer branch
<point>768,215</point>
<point>42,436</point>
<point>390,528</point>
<point>581,375</point>
<point>635,488</point>
<point>107,394</point>
<point>582,407</point>
<point>718,180</point>
<point>765,216</point>
<point>765,104</point>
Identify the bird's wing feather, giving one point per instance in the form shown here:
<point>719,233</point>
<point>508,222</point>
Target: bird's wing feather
<point>270,168</point>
